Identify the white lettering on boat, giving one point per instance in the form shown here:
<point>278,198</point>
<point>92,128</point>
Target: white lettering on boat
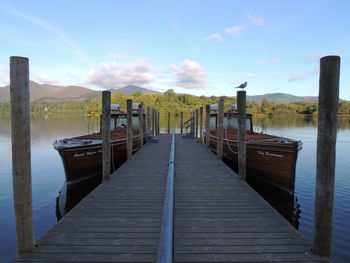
<point>78,155</point>
<point>90,153</point>
<point>270,154</point>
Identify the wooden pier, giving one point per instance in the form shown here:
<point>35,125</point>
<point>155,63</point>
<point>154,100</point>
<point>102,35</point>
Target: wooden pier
<point>218,217</point>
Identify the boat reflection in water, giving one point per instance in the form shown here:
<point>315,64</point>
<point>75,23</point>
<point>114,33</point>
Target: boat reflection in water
<point>286,203</point>
<point>70,196</point>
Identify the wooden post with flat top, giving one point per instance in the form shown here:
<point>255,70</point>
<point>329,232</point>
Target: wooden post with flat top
<point>220,129</point>
<point>241,107</point>
<point>182,122</point>
<point>141,123</point>
<point>328,99</point>
<point>196,124</point>
<point>169,122</point>
<point>207,125</point>
<point>153,122</point>
<point>147,124</point>
<point>158,122</point>
<point>21,154</point>
<point>106,135</point>
<point>129,131</point>
<point>201,123</point>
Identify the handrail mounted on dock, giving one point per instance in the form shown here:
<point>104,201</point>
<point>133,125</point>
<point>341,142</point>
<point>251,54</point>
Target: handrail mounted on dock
<point>166,241</point>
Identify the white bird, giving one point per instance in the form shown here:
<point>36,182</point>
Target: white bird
<point>242,86</point>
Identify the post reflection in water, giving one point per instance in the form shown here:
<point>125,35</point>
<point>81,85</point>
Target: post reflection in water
<point>69,197</point>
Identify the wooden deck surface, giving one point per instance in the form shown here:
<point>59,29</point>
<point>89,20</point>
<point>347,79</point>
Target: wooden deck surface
<point>117,222</point>
<point>218,218</point>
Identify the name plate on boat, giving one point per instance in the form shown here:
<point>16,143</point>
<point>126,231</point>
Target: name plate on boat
<point>270,154</point>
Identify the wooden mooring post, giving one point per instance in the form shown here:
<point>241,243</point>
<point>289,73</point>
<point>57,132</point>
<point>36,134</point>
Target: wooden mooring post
<point>196,124</point>
<point>207,125</point>
<point>328,99</point>
<point>21,153</point>
<point>153,122</point>
<point>241,107</point>
<point>129,131</point>
<point>168,122</point>
<point>182,122</point>
<point>201,123</point>
<point>148,130</point>
<point>141,123</point>
<point>106,135</point>
<point>220,129</point>
<point>158,122</point>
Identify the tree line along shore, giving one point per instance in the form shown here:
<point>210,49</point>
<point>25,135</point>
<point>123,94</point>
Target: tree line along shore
<point>175,103</point>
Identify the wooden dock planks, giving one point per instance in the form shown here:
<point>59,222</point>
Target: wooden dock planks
<point>219,218</point>
<point>119,221</point>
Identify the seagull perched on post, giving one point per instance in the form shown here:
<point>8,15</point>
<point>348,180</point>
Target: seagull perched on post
<point>242,86</point>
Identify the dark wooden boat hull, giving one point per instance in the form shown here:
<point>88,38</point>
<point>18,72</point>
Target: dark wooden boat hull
<point>270,162</point>
<point>84,162</point>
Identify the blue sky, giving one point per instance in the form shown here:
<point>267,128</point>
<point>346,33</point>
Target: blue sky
<point>196,47</point>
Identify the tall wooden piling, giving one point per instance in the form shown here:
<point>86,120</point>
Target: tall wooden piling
<point>106,135</point>
<point>168,122</point>
<point>220,129</point>
<point>241,104</point>
<point>129,131</point>
<point>201,123</point>
<point>148,121</point>
<point>192,124</point>
<point>21,154</point>
<point>207,125</point>
<point>182,122</point>
<point>158,122</point>
<point>196,123</point>
<point>328,99</point>
<point>153,122</point>
<point>141,123</point>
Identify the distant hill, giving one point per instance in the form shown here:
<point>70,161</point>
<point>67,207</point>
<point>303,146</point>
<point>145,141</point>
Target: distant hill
<point>130,89</point>
<point>37,91</point>
<point>71,92</point>
<point>281,97</point>
<point>46,91</point>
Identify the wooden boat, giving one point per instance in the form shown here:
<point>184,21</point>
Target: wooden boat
<point>82,155</point>
<point>268,157</point>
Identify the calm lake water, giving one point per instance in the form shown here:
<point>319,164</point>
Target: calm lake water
<point>48,178</point>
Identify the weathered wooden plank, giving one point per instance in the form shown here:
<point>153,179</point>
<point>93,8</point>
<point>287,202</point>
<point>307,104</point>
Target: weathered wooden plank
<point>219,218</point>
<point>117,222</point>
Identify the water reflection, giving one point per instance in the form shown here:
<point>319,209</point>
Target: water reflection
<point>285,203</point>
<point>69,197</point>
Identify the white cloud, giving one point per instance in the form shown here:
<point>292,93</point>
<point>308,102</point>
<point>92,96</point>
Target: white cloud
<point>256,20</point>
<point>315,57</point>
<point>261,62</point>
<point>252,76</point>
<point>276,61</point>
<point>83,62</point>
<point>215,36</point>
<point>4,74</point>
<point>117,75</point>
<point>189,75</point>
<point>235,30</point>
<point>46,80</point>
<point>296,76</point>
<point>276,74</point>
<point>63,39</point>
<point>115,55</point>
<point>235,81</point>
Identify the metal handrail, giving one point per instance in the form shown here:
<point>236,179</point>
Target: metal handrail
<point>166,240</point>
<point>190,119</point>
